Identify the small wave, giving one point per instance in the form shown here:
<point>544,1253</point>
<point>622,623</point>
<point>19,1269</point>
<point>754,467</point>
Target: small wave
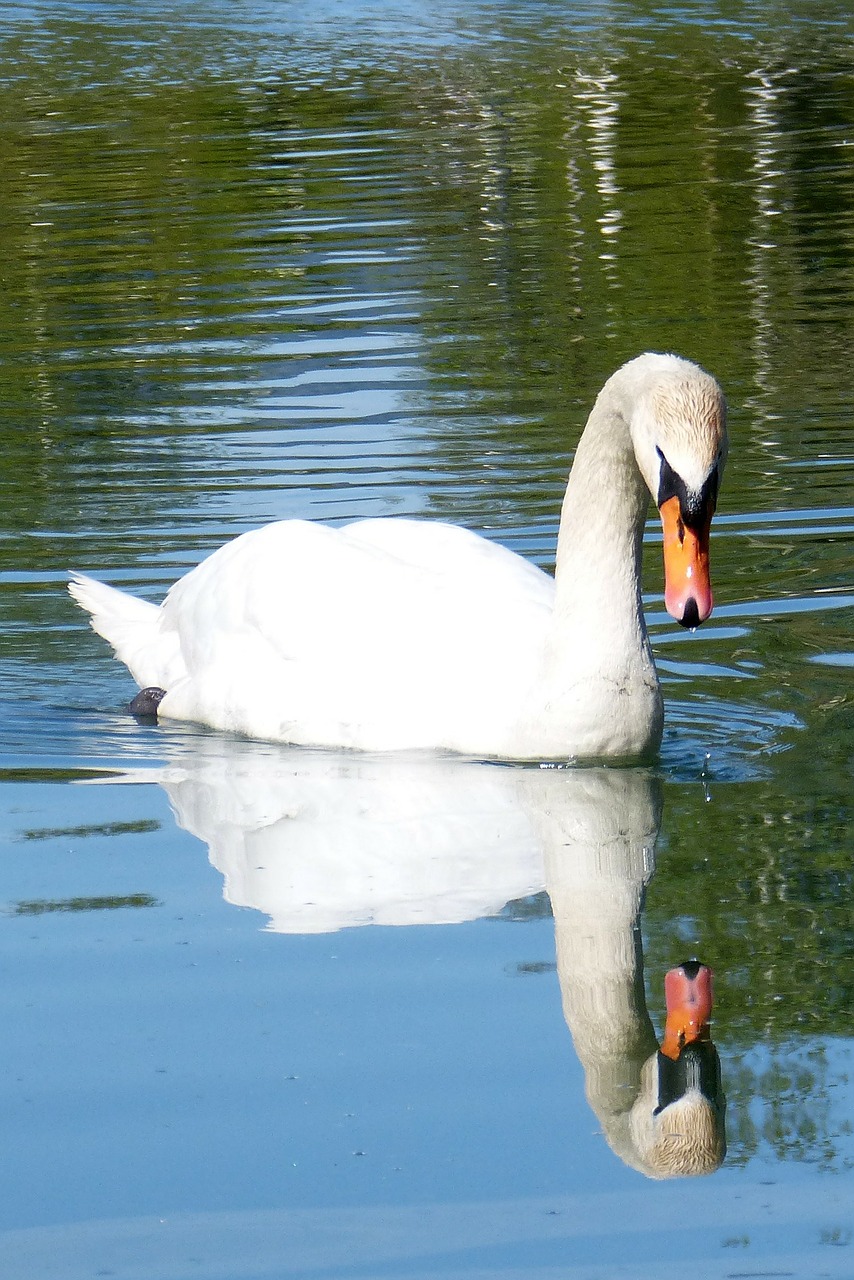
<point>724,741</point>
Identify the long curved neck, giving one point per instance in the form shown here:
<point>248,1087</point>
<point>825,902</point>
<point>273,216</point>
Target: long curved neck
<point>597,572</point>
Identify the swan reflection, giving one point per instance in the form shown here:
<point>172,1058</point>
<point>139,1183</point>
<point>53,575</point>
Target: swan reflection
<point>318,842</point>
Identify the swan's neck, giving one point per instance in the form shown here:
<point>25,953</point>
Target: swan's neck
<point>597,691</point>
<point>598,829</point>
<point>598,606</point>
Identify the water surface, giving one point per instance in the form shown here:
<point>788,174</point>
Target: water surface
<point>274,1013</point>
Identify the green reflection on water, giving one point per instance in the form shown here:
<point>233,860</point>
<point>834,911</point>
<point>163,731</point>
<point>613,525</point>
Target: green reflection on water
<point>41,906</point>
<point>141,826</point>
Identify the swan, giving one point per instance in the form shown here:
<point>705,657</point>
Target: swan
<point>395,634</point>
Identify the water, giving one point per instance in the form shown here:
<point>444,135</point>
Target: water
<point>283,1013</point>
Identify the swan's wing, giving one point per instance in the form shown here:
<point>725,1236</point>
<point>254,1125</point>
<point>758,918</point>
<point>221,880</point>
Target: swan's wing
<point>447,549</point>
<point>375,635</point>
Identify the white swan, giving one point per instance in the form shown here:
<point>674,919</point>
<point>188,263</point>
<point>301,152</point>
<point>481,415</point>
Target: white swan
<point>394,634</point>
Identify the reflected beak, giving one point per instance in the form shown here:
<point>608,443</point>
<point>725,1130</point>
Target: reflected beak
<point>688,994</point>
<point>687,585</point>
<point>688,1062</point>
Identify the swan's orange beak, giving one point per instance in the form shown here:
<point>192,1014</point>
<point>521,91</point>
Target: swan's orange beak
<point>688,994</point>
<point>687,585</point>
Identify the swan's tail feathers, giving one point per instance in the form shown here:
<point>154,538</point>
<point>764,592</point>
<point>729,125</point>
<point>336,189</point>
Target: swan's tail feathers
<point>132,627</point>
<point>112,610</point>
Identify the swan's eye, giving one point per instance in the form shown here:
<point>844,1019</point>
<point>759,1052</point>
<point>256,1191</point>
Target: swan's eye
<point>695,507</point>
<point>670,484</point>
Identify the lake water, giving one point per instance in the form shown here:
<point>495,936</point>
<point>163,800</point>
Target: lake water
<point>275,1013</point>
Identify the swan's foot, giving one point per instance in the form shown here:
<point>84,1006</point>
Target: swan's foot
<point>146,702</point>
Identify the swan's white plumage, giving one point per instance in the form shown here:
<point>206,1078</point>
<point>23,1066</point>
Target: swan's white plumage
<point>237,647</point>
<point>395,633</point>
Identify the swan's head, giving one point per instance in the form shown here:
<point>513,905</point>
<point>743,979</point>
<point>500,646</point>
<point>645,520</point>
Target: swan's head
<point>678,426</point>
<point>678,1118</point>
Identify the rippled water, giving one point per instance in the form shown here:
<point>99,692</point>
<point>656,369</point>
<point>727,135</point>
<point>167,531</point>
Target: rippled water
<point>379,260</point>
